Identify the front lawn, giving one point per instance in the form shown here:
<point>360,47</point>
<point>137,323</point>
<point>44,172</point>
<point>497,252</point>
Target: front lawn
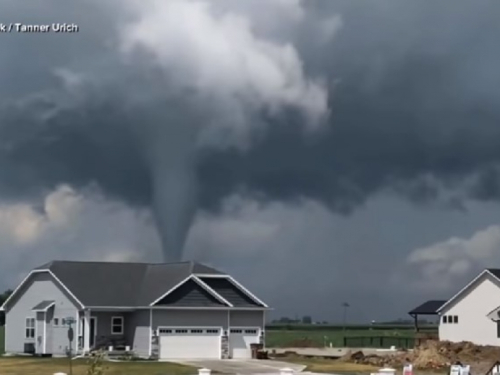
<point>48,366</point>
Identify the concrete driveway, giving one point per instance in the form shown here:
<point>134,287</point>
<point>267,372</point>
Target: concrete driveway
<point>242,366</point>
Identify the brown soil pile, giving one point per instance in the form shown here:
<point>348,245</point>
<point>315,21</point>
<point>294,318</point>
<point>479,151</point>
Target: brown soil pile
<point>431,354</point>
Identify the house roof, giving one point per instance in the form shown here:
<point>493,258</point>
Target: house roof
<point>428,308</point>
<point>112,284</point>
<point>43,306</point>
<point>230,292</point>
<point>495,272</point>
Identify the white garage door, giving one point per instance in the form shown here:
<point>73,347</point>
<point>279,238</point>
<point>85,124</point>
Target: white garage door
<point>203,343</point>
<point>240,340</point>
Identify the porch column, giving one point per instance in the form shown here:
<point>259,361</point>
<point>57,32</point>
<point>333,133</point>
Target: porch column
<point>45,332</point>
<point>86,331</point>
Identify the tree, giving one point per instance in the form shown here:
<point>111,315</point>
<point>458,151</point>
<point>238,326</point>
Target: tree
<point>3,298</point>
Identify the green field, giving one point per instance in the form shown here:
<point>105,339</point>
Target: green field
<point>298,338</point>
<point>356,335</point>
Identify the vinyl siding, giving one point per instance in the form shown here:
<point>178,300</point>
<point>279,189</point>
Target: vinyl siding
<point>190,294</point>
<point>40,286</point>
<point>471,309</point>
<point>230,292</point>
<point>49,318</point>
<point>190,318</point>
<point>104,338</point>
<point>247,319</point>
<point>39,324</point>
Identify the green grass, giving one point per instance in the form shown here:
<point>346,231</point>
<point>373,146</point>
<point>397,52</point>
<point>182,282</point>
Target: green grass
<point>2,340</point>
<point>38,366</point>
<point>290,338</point>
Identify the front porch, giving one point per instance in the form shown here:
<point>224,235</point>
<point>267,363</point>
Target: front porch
<point>105,330</point>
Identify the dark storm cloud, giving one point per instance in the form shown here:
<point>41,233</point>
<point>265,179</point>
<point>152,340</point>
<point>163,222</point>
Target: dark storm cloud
<point>414,110</point>
<point>414,95</point>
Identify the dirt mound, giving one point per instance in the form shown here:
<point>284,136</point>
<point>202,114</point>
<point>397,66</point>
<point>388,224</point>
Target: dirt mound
<point>391,360</point>
<point>431,354</point>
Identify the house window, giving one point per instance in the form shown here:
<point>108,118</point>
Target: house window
<point>117,325</point>
<point>30,328</point>
<point>455,319</point>
<point>445,319</point>
<point>56,322</point>
<point>498,329</point>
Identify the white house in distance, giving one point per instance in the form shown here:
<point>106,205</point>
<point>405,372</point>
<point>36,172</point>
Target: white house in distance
<point>473,313</point>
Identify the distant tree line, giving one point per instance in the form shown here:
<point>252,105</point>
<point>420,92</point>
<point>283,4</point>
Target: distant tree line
<point>3,298</point>
<point>306,319</point>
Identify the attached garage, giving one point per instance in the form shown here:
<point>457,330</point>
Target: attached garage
<point>179,343</point>
<point>240,340</point>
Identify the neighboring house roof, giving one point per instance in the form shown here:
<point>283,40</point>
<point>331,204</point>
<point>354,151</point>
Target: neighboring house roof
<point>428,308</point>
<point>493,272</point>
<point>113,284</point>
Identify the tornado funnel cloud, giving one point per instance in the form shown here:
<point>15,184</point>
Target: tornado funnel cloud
<point>174,205</point>
<point>169,142</point>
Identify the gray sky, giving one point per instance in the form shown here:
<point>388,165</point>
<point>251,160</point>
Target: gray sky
<point>324,152</point>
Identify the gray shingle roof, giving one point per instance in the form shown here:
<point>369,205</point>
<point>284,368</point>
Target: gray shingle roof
<point>495,272</point>
<point>428,308</point>
<point>43,305</point>
<point>110,284</point>
<point>230,292</point>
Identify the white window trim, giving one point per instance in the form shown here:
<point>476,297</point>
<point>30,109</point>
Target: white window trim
<point>122,325</point>
<point>26,328</point>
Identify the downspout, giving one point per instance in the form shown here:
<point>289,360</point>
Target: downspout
<point>150,347</point>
